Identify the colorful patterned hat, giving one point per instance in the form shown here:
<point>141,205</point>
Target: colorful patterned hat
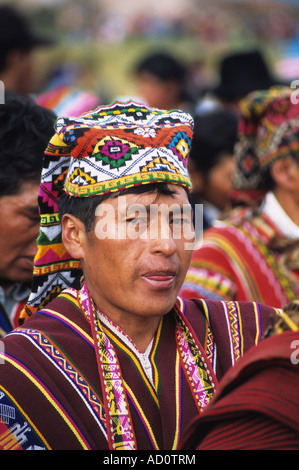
<point>109,149</point>
<point>268,130</point>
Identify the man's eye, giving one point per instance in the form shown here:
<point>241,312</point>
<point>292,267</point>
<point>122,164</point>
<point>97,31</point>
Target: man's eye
<point>32,218</point>
<point>177,221</point>
<point>137,220</point>
<point>180,221</point>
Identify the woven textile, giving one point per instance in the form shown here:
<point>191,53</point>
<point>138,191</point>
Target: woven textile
<point>109,149</point>
<point>268,130</point>
<point>246,258</point>
<point>123,146</point>
<point>256,405</point>
<point>59,402</point>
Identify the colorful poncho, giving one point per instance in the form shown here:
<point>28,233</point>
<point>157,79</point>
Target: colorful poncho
<point>256,406</point>
<point>59,391</point>
<point>246,258</point>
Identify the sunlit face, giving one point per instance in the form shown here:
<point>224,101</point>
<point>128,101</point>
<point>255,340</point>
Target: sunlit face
<point>19,230</point>
<point>139,274</point>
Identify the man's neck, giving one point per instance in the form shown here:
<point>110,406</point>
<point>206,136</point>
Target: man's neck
<point>141,332</point>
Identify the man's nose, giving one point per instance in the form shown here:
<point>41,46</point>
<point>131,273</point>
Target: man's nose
<point>161,239</point>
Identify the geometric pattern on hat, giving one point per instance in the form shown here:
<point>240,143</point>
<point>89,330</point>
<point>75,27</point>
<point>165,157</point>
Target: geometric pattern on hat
<point>109,149</point>
<point>268,130</point>
<point>114,152</point>
<point>180,144</point>
<point>111,146</point>
<point>158,164</point>
<point>248,166</point>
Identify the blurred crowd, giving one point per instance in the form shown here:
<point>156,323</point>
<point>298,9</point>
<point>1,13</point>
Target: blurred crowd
<point>112,21</point>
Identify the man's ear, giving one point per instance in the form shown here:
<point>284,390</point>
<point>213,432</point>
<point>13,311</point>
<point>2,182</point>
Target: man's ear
<point>73,236</point>
<point>284,172</point>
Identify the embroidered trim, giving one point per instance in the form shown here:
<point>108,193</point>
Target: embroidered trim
<point>50,350</point>
<point>119,427</point>
<point>199,373</point>
<point>51,398</point>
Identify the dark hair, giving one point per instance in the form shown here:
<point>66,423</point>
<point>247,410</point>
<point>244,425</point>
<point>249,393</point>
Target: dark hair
<point>166,68</point>
<point>84,208</point>
<point>163,66</point>
<point>25,130</point>
<point>214,134</point>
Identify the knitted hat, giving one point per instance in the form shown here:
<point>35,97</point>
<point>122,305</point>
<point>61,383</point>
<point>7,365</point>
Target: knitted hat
<point>268,130</point>
<point>112,148</point>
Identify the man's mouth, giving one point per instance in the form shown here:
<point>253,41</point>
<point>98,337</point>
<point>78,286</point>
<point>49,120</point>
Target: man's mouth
<point>160,280</point>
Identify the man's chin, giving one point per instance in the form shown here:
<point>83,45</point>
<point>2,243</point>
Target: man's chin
<point>157,304</point>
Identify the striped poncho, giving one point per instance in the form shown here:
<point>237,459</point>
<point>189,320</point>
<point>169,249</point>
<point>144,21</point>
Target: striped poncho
<point>245,258</point>
<point>52,389</point>
<point>256,406</point>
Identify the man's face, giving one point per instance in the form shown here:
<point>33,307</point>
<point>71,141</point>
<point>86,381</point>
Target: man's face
<point>162,94</point>
<point>139,265</point>
<point>218,187</point>
<point>19,230</point>
<point>215,187</point>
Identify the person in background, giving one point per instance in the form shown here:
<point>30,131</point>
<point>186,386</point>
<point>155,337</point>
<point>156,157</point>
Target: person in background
<point>252,254</point>
<point>162,82</point>
<point>25,129</point>
<point>211,163</point>
<point>107,356</point>
<point>17,42</point>
<point>240,73</point>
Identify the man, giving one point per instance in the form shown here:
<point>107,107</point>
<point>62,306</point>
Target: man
<point>212,163</point>
<point>253,253</point>
<point>25,129</point>
<point>113,359</point>
<point>17,43</point>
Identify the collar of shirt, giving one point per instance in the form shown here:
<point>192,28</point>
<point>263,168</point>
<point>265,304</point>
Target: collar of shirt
<point>275,212</point>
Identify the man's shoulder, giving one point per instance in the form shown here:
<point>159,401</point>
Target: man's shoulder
<point>242,322</point>
<point>61,313</point>
<point>213,308</point>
